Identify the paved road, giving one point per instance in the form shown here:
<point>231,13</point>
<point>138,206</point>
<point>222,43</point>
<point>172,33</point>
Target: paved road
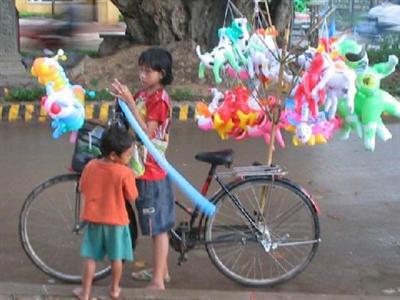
<point>86,36</point>
<point>358,193</point>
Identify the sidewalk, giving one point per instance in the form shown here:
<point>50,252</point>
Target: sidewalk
<point>29,291</point>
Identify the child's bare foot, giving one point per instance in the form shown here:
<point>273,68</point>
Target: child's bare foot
<point>78,294</point>
<point>115,293</point>
<point>156,286</point>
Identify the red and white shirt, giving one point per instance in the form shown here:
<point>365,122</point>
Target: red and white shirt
<point>155,107</point>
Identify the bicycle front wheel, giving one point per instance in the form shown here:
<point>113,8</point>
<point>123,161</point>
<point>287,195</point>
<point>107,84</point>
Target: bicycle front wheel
<point>47,229</point>
<point>282,241</point>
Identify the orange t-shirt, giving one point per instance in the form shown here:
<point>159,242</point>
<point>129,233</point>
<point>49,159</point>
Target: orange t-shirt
<point>105,187</point>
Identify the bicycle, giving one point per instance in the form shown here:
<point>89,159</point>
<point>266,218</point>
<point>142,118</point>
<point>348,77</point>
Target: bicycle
<point>249,246</point>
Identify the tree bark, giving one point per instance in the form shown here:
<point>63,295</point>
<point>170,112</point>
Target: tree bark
<point>12,72</point>
<point>162,22</point>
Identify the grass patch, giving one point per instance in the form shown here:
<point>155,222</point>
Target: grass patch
<point>35,94</point>
<point>25,95</point>
<point>25,15</point>
<point>102,95</point>
<point>382,55</point>
<point>183,94</point>
<point>82,52</point>
<point>90,53</point>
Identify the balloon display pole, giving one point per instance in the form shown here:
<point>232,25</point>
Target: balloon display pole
<point>277,109</point>
<point>279,96</point>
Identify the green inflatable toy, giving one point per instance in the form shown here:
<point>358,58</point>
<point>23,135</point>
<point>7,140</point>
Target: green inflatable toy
<point>370,101</point>
<point>300,5</point>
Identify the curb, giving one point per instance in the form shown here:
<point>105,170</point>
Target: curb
<point>100,111</point>
<point>32,111</point>
<point>26,291</point>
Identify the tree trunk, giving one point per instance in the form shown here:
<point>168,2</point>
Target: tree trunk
<point>162,22</point>
<point>12,72</point>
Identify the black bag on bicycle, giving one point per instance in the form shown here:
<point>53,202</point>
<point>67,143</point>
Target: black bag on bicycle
<point>87,145</point>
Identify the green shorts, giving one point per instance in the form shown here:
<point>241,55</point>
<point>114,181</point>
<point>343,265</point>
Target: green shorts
<point>100,240</point>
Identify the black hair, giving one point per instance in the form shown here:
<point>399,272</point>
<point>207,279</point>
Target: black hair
<point>158,59</point>
<point>115,139</point>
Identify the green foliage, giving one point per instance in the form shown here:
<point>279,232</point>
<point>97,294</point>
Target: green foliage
<point>102,95</point>
<point>23,15</point>
<point>181,94</point>
<point>68,52</point>
<point>35,94</point>
<point>26,95</point>
<point>381,55</point>
<point>94,82</point>
<point>90,53</point>
<point>390,83</point>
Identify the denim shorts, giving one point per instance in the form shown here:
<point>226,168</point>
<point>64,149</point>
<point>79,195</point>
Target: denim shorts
<point>156,206</point>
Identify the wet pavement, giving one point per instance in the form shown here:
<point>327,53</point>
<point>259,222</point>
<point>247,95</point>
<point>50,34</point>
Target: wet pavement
<point>358,193</point>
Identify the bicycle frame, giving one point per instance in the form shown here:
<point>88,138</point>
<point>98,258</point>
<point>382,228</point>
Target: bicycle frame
<point>78,225</point>
<point>239,173</point>
<point>212,175</point>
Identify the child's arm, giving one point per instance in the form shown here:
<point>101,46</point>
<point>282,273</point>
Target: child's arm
<point>129,187</point>
<point>122,92</point>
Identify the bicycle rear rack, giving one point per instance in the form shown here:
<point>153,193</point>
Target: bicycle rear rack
<point>261,170</point>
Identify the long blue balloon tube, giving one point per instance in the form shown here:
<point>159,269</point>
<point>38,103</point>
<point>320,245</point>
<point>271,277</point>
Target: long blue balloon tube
<point>191,193</point>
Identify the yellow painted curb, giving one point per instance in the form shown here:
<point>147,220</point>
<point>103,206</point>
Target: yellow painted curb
<point>98,111</point>
<point>13,112</point>
<point>29,110</point>
<point>103,114</point>
<point>42,114</point>
<point>89,109</point>
<point>184,112</point>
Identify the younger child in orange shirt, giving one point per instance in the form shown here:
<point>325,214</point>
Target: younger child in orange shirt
<point>106,184</point>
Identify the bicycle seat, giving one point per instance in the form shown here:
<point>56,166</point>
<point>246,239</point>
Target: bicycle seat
<point>224,157</point>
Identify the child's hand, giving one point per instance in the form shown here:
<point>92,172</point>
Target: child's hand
<point>121,91</point>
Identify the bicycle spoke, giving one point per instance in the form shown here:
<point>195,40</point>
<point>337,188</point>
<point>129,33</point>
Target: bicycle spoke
<point>244,266</point>
<point>231,255</point>
<point>59,212</point>
<point>239,213</point>
<point>237,259</point>
<point>277,261</point>
<point>231,228</point>
<point>260,266</point>
<point>286,215</point>
<point>44,237</point>
<point>46,216</point>
<point>70,208</point>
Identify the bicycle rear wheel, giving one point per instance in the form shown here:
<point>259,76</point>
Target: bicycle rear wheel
<point>46,228</point>
<point>286,240</point>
